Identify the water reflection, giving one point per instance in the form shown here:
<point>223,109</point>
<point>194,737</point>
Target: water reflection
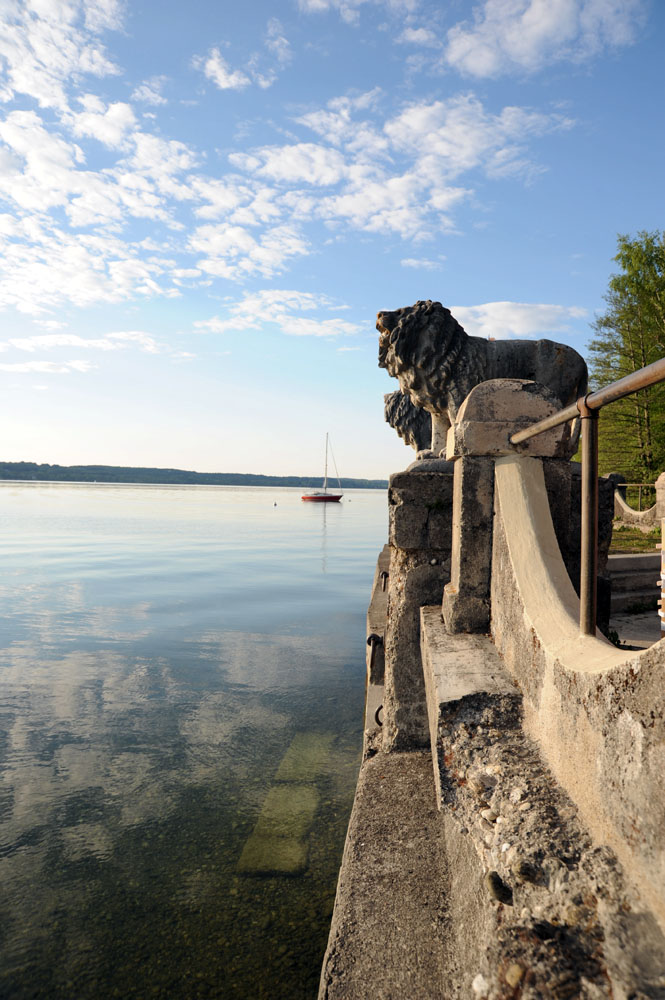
<point>145,708</point>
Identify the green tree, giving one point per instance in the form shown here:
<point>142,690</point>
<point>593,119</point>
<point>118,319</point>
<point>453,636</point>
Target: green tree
<point>630,335</point>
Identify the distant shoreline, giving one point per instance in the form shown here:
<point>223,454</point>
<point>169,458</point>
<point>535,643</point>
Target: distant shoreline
<point>118,474</point>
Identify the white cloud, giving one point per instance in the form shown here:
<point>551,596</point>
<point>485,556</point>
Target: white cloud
<point>110,124</point>
<point>422,264</point>
<point>284,309</point>
<point>459,135</point>
<point>338,126</point>
<point>261,67</point>
<point>349,9</point>
<point>45,46</point>
<point>52,266</point>
<point>399,177</point>
<point>102,14</point>
<point>109,342</point>
<point>503,320</point>
<point>232,252</point>
<point>150,91</point>
<point>304,162</point>
<point>216,68</point>
<point>40,170</point>
<point>528,34</point>
<point>277,44</point>
<point>161,158</point>
<point>394,204</point>
<point>419,36</point>
<point>47,367</point>
<point>66,235</point>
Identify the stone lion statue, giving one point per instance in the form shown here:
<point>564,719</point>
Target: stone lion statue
<point>437,363</point>
<point>413,424</point>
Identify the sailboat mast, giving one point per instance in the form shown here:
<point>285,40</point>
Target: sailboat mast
<point>325,475</point>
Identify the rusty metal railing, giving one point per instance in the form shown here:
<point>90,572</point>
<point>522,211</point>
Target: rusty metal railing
<point>587,408</point>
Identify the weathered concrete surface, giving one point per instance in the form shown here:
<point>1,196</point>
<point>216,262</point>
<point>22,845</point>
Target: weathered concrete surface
<point>564,490</point>
<point>455,667</point>
<point>597,713</point>
<point>494,410</point>
<point>388,938</point>
<point>466,606</point>
<point>420,506</point>
<point>489,415</point>
<point>555,916</point>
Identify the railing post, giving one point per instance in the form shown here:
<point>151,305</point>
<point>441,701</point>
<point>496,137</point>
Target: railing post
<point>589,532</point>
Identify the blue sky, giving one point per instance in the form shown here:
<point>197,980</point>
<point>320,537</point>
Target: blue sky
<point>203,206</point>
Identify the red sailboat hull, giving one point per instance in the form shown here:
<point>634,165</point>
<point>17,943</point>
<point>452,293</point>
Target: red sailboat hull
<point>321,497</point>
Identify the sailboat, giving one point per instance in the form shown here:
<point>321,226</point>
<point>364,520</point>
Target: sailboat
<point>324,496</point>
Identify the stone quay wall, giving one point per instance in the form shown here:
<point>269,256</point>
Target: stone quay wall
<point>534,866</point>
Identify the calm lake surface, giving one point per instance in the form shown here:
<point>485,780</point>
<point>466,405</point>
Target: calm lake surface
<point>181,696</point>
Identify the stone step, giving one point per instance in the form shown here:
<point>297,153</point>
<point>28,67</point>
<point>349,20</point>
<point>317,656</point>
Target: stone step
<point>390,932</point>
<point>622,582</point>
<point>457,667</point>
<point>631,561</point>
<point>634,577</point>
<point>638,598</point>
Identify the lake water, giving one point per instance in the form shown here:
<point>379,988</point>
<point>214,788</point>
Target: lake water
<point>181,696</point>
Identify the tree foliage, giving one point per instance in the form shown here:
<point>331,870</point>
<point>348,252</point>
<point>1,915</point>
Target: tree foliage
<point>630,335</point>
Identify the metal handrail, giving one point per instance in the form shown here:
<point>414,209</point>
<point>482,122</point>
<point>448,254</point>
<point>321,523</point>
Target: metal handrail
<point>587,408</point>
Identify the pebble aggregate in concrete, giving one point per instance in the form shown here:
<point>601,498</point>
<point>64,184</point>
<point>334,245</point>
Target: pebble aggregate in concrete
<point>565,924</point>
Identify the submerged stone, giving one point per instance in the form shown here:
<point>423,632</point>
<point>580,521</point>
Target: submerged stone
<point>266,855</point>
<point>305,758</point>
<point>277,843</point>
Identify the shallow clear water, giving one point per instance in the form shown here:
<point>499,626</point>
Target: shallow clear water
<point>175,664</point>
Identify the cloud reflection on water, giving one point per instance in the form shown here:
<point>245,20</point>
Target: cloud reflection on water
<point>144,708</point>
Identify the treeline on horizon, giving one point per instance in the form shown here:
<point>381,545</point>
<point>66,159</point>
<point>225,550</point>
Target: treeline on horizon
<point>32,471</point>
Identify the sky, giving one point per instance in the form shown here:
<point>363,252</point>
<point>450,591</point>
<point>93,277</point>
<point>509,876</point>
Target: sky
<point>204,205</point>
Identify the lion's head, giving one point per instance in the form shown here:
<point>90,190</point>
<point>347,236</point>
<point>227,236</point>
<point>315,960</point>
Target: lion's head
<point>417,345</point>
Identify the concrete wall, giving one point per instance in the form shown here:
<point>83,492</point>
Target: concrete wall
<point>420,531</point>
<point>597,713</point>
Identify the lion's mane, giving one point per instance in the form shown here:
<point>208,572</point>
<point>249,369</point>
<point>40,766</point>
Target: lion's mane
<point>413,424</point>
<point>437,363</point>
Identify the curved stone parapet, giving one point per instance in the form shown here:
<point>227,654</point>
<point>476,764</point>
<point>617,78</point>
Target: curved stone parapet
<point>598,713</point>
<point>628,515</point>
<point>644,518</point>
